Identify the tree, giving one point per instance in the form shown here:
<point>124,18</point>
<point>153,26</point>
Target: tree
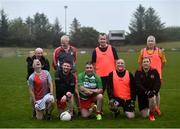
<point>153,25</point>
<point>4,33</point>
<point>75,26</point>
<point>29,23</point>
<point>57,33</point>
<point>85,37</point>
<point>41,30</point>
<point>18,32</point>
<point>137,25</point>
<point>144,23</point>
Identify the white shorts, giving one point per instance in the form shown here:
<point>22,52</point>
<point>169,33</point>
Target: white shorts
<point>41,104</point>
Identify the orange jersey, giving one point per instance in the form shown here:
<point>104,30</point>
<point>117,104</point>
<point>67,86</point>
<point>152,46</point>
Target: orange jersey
<point>105,62</point>
<point>156,56</point>
<point>121,86</point>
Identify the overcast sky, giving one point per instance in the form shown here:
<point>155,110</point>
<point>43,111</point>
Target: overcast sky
<point>103,15</point>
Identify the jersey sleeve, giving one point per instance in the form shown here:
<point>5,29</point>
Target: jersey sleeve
<point>140,87</point>
<point>46,65</point>
<point>54,58</point>
<point>93,59</point>
<point>48,76</point>
<point>75,54</point>
<point>157,83</point>
<point>115,53</point>
<point>31,82</point>
<point>80,79</point>
<point>162,56</point>
<point>72,84</point>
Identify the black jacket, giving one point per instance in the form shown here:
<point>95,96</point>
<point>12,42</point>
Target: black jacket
<point>64,83</point>
<point>30,69</point>
<point>147,82</point>
<point>121,74</point>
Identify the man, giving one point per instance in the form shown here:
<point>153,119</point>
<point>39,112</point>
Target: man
<point>90,90</point>
<point>41,91</point>
<point>157,58</point>
<point>148,84</point>
<point>65,86</point>
<point>63,52</point>
<point>121,90</point>
<point>103,56</point>
<point>37,54</point>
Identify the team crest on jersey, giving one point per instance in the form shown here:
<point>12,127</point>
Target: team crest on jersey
<point>152,76</point>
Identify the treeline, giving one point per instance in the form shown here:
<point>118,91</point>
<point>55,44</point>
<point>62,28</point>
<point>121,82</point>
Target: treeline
<point>147,22</point>
<point>37,31</point>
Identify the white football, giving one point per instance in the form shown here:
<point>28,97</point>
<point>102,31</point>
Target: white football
<point>65,116</point>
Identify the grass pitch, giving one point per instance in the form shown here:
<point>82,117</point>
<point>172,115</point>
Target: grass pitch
<point>15,108</point>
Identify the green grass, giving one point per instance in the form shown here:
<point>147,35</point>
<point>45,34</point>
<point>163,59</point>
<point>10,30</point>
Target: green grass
<point>15,108</point>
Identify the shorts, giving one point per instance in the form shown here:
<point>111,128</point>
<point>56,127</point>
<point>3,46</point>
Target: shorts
<point>41,104</point>
<point>143,101</point>
<point>86,104</point>
<point>126,104</point>
<point>60,105</point>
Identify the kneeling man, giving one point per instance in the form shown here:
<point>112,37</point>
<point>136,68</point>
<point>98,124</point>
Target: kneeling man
<point>41,91</point>
<point>90,91</point>
<point>121,90</point>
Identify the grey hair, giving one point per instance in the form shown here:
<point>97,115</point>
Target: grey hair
<point>151,37</point>
<point>65,37</point>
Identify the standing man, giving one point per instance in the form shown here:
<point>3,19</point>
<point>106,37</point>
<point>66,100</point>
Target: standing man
<point>148,84</point>
<point>121,90</point>
<point>90,90</point>
<point>103,59</point>
<point>158,59</point>
<point>41,91</point>
<point>65,86</point>
<point>63,52</point>
<point>37,54</point>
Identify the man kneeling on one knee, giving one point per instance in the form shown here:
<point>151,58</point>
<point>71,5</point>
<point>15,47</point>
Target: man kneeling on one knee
<point>121,90</point>
<point>65,87</point>
<point>148,85</point>
<point>90,91</point>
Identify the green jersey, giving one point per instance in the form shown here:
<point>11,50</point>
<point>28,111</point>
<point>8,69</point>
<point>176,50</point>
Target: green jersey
<point>88,81</point>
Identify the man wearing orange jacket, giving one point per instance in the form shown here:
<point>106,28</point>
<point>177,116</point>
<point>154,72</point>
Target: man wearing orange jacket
<point>104,58</point>
<point>157,58</point>
<point>121,90</point>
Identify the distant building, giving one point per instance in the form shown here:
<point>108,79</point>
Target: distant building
<point>116,37</point>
